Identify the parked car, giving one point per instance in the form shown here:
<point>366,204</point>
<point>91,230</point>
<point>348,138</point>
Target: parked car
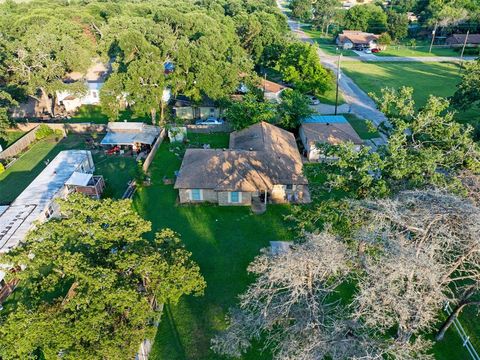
<point>313,100</point>
<point>375,50</point>
<point>368,51</point>
<point>209,121</point>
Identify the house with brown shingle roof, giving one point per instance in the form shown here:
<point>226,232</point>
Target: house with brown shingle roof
<point>262,161</point>
<point>332,130</point>
<point>457,40</point>
<point>349,39</point>
<point>272,90</point>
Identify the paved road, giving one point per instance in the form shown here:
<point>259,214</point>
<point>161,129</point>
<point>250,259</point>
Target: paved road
<point>358,101</point>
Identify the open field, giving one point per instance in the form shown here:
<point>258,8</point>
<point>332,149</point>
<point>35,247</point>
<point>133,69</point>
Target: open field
<point>116,170</point>
<point>439,79</point>
<point>418,51</point>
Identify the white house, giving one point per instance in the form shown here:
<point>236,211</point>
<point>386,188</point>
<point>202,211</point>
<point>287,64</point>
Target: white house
<point>349,39</point>
<point>94,79</point>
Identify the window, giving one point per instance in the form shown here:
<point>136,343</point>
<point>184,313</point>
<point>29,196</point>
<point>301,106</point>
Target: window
<point>235,197</point>
<point>289,187</point>
<point>94,94</point>
<point>196,194</point>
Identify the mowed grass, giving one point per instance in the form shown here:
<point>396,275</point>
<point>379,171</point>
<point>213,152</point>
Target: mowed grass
<point>418,51</point>
<point>223,241</point>
<point>10,137</point>
<point>93,114</point>
<point>362,127</point>
<point>116,170</point>
<point>438,79</point>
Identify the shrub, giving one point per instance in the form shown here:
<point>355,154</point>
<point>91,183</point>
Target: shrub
<point>43,131</point>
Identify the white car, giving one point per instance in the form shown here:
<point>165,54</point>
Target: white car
<point>368,51</point>
<point>209,121</point>
<point>313,100</point>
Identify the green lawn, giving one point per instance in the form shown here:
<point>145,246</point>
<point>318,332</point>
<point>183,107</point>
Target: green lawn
<point>115,169</point>
<point>10,138</point>
<point>361,127</point>
<point>326,42</point>
<point>93,114</point>
<point>418,51</point>
<point>223,240</point>
<point>439,79</point>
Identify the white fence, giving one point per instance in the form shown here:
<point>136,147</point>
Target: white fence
<point>463,335</point>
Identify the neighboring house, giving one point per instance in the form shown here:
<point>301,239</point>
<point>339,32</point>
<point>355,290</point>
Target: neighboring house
<point>331,130</point>
<point>135,136</point>
<point>272,90</point>
<point>188,110</point>
<point>94,79</point>
<point>457,40</point>
<point>412,17</point>
<point>70,171</point>
<point>350,39</point>
<point>262,164</point>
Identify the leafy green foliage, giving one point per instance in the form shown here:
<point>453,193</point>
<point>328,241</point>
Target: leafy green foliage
<point>369,18</point>
<point>6,101</point>
<point>249,111</point>
<point>397,24</point>
<point>300,66</point>
<point>425,147</point>
<point>91,283</point>
<point>468,90</point>
<point>294,107</point>
<point>301,9</point>
<point>45,131</point>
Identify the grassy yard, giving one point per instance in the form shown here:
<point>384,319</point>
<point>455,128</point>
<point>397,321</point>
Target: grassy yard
<point>326,43</point>
<point>418,51</point>
<point>223,240</point>
<point>361,127</point>
<point>439,79</point>
<point>93,114</point>
<point>115,169</point>
<point>10,138</point>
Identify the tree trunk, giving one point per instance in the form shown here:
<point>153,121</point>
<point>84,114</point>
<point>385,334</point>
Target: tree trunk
<point>45,102</point>
<point>469,292</point>
<point>162,113</point>
<point>451,318</point>
<point>153,114</point>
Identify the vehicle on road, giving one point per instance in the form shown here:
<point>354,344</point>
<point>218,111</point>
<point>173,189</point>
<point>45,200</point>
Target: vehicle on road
<point>313,100</point>
<point>368,51</point>
<point>209,121</point>
<point>375,51</point>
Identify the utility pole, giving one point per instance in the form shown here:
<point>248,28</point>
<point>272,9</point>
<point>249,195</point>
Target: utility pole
<point>465,43</point>
<point>433,37</point>
<point>338,80</point>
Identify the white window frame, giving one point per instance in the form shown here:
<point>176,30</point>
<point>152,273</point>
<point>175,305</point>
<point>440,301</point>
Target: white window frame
<point>200,193</point>
<point>239,197</point>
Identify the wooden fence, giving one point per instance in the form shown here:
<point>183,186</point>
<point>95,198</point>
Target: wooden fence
<point>25,141</point>
<point>151,155</point>
<point>19,145</point>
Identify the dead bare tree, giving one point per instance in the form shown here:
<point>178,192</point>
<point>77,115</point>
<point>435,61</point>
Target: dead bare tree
<point>293,308</point>
<point>424,250</point>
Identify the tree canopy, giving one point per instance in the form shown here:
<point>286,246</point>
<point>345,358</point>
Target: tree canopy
<point>90,283</point>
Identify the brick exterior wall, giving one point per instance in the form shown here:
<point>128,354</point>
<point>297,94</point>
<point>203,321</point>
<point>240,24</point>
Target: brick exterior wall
<point>217,197</point>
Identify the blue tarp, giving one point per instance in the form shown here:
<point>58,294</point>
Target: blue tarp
<point>323,119</point>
